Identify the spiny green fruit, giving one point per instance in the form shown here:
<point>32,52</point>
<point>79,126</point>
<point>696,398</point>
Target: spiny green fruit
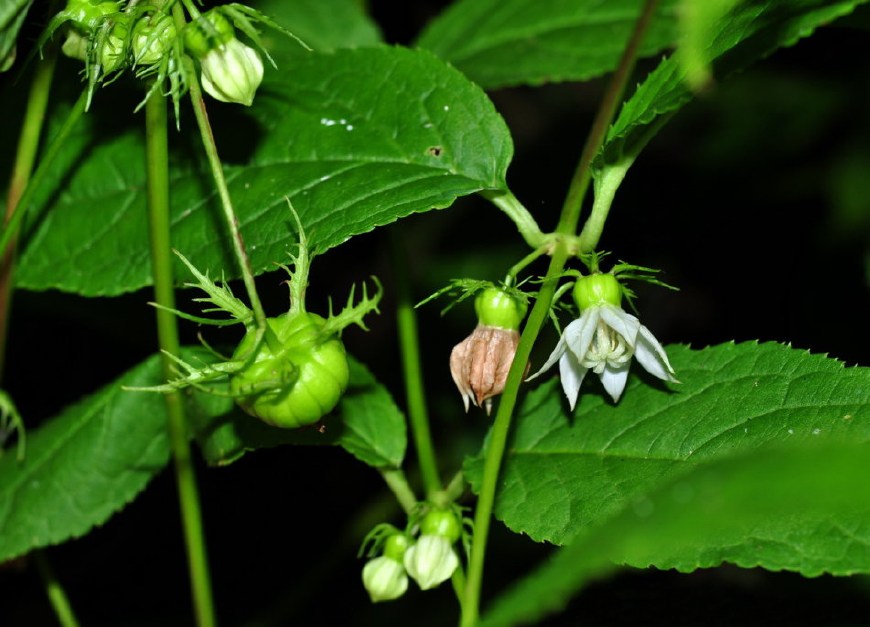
<point>296,385</point>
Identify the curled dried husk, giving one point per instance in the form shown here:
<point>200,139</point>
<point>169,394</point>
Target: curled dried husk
<point>481,362</point>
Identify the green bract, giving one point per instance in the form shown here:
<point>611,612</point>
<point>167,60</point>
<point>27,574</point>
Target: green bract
<point>153,35</point>
<point>88,14</point>
<point>499,308</point>
<point>208,32</point>
<point>297,385</point>
<point>113,51</point>
<point>597,289</point>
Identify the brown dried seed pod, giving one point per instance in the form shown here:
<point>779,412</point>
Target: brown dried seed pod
<point>480,364</point>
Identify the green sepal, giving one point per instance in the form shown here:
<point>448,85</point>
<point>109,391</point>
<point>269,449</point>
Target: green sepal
<point>11,420</point>
<point>208,32</point>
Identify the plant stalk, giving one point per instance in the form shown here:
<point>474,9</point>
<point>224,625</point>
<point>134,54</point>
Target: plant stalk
<point>28,145</point>
<point>220,182</point>
<point>412,369</point>
<point>573,204</point>
<point>567,228</point>
<point>157,165</point>
<point>56,595</point>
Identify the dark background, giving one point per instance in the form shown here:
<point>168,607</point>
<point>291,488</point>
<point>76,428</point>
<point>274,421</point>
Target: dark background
<point>754,200</point>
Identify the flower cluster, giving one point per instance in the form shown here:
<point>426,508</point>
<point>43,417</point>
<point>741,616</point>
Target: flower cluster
<point>429,560</point>
<point>112,36</point>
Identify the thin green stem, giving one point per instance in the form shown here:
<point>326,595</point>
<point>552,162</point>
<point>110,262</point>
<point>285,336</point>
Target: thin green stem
<point>608,180</point>
<point>56,595</point>
<point>398,483</point>
<point>573,204</point>
<point>412,369</point>
<point>28,144</point>
<point>498,439</point>
<point>226,202</point>
<point>567,227</point>
<point>514,209</point>
<point>157,166</point>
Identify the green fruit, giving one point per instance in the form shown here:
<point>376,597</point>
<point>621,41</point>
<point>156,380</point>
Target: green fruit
<point>296,385</point>
<point>440,522</point>
<point>496,307</point>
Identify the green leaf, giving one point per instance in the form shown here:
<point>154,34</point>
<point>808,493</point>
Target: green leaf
<point>804,510</point>
<point>12,14</point>
<point>367,424</point>
<point>565,473</point>
<point>752,30</point>
<point>84,465</point>
<point>356,139</point>
<point>514,42</point>
<point>322,25</point>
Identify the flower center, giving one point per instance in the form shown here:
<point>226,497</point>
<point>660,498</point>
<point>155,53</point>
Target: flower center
<point>608,348</point>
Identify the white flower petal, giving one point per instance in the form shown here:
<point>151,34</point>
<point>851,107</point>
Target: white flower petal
<point>571,373</point>
<point>613,379</point>
<point>623,323</point>
<point>557,353</point>
<point>384,579</point>
<point>431,561</point>
<point>651,355</point>
<point>580,333</point>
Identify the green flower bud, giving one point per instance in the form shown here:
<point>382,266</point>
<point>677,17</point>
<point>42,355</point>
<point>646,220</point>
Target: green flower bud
<point>597,289</point>
<point>208,32</point>
<point>153,35</point>
<point>75,46</point>
<point>384,579</point>
<point>498,308</point>
<point>113,54</point>
<point>431,561</point>
<point>441,522</point>
<point>232,73</point>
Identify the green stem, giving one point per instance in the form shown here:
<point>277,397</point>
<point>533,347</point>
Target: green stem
<point>606,184</point>
<point>412,369</point>
<point>157,165</point>
<point>28,144</point>
<point>608,180</point>
<point>398,483</point>
<point>567,227</point>
<point>56,595</point>
<point>514,209</point>
<point>573,204</point>
<point>220,182</point>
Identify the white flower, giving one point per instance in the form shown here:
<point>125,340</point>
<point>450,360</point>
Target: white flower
<point>384,579</point>
<point>232,72</point>
<point>431,560</point>
<point>604,339</point>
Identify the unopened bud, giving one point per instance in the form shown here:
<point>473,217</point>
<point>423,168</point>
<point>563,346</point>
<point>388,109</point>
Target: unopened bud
<point>431,561</point>
<point>232,73</point>
<point>384,579</point>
